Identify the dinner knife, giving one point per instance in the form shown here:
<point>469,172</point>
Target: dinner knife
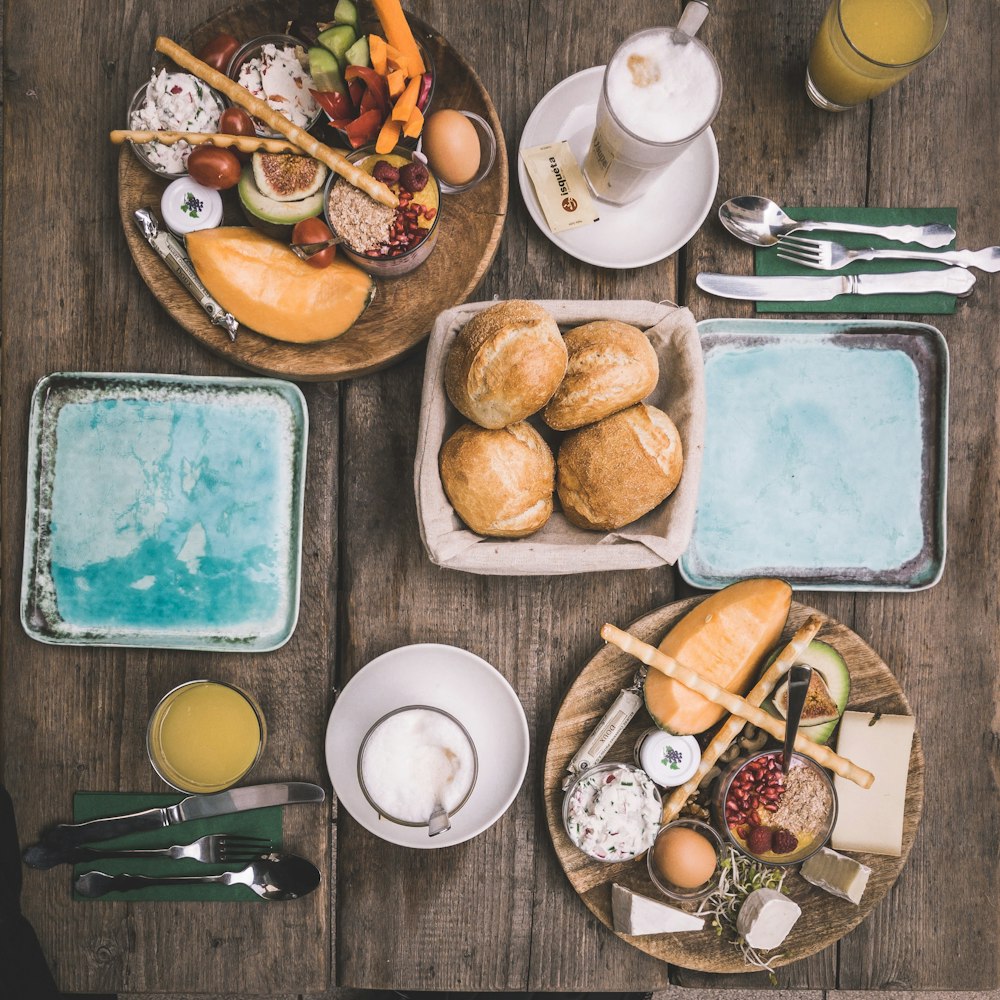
<point>69,835</point>
<point>952,280</point>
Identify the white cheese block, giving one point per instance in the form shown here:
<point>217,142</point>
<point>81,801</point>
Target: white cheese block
<point>766,917</point>
<point>837,874</point>
<point>635,914</point>
<point>871,819</point>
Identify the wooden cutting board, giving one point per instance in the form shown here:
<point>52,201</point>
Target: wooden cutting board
<point>404,308</point>
<point>825,918</point>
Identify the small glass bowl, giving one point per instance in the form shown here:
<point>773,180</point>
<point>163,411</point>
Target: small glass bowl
<point>386,267</point>
<point>487,153</point>
<point>722,796</point>
<point>598,770</point>
<point>361,757</point>
<point>667,887</point>
<point>140,149</point>
<point>252,49</point>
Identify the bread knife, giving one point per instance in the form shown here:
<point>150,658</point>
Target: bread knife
<point>952,281</point>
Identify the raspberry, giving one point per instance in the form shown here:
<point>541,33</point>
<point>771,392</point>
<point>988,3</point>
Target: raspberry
<point>385,172</point>
<point>759,841</point>
<point>784,842</point>
<point>413,177</point>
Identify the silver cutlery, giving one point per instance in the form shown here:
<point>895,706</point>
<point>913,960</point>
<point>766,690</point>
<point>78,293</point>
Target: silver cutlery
<point>952,281</point>
<point>272,877</point>
<point>799,678</point>
<point>761,222</point>
<point>828,256</point>
<point>213,849</point>
<point>306,250</point>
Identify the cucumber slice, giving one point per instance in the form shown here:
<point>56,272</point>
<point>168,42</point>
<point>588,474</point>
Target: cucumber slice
<point>325,71</point>
<point>830,665</point>
<point>338,40</point>
<point>357,54</point>
<point>346,13</point>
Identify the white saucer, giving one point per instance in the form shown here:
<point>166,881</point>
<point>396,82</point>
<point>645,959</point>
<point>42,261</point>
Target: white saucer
<point>443,677</point>
<point>656,225</point>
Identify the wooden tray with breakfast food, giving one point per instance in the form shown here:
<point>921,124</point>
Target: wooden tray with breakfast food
<point>668,803</point>
<point>305,185</point>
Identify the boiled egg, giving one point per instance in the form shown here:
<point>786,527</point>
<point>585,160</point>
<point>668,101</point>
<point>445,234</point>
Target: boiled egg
<point>684,857</point>
<point>451,145</point>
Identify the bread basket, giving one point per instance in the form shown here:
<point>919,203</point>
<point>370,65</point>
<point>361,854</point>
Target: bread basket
<point>657,539</point>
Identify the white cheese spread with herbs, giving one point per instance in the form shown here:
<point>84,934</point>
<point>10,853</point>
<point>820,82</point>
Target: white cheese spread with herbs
<point>613,815</point>
<point>279,77</point>
<point>175,102</point>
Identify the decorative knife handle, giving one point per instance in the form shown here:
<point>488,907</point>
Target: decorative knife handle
<point>951,281</point>
<point>935,234</point>
<point>94,884</point>
<point>69,835</point>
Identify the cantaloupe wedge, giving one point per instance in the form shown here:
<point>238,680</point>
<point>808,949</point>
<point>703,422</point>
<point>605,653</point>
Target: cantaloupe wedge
<point>268,289</point>
<point>725,639</point>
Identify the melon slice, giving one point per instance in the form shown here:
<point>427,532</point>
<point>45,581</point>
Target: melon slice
<point>268,289</point>
<point>826,699</point>
<point>724,638</point>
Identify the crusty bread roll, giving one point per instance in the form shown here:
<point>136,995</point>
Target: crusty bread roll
<point>611,366</point>
<point>499,481</point>
<point>618,469</point>
<point>505,364</point>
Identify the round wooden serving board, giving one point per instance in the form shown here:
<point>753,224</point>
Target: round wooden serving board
<point>825,918</point>
<point>404,308</point>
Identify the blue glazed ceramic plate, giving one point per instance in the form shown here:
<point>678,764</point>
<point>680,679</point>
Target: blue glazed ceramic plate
<point>164,511</point>
<point>825,455</point>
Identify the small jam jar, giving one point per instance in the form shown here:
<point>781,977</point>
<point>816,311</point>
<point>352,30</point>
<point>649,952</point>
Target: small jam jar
<point>187,206</point>
<point>669,760</point>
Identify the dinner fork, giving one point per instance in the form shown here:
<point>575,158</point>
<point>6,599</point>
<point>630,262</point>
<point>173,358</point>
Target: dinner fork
<point>213,849</point>
<point>827,256</point>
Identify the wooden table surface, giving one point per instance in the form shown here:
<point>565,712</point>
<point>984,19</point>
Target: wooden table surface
<point>496,913</point>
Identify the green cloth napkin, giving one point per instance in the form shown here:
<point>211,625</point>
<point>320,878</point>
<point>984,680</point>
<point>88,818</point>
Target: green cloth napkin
<point>766,261</point>
<point>265,823</point>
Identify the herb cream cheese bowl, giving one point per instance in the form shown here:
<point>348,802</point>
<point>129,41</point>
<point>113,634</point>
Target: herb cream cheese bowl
<point>753,794</point>
<point>612,812</point>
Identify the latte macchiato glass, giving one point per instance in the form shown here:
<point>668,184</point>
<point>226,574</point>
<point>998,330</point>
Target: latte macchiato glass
<point>661,90</point>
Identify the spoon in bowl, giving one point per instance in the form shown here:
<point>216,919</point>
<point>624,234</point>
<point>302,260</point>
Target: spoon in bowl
<point>306,250</point>
<point>798,686</point>
<point>271,876</point>
<point>760,222</point>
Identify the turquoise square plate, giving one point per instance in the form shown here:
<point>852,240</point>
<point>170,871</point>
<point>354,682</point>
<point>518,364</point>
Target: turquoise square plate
<point>826,455</point>
<point>164,511</point>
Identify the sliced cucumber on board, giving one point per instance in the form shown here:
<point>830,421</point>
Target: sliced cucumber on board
<point>325,71</point>
<point>346,13</point>
<point>338,40</point>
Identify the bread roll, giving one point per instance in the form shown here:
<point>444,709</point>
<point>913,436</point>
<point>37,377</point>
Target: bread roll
<point>618,469</point>
<point>505,364</point>
<point>500,482</point>
<point>611,366</point>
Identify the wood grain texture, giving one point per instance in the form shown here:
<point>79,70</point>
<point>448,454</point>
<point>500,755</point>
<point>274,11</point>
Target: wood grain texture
<point>404,308</point>
<point>824,919</point>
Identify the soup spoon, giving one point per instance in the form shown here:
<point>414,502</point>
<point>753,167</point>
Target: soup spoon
<point>271,876</point>
<point>760,222</point>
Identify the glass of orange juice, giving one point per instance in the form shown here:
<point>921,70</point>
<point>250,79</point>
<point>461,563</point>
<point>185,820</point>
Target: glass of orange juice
<point>865,46</point>
<point>204,736</point>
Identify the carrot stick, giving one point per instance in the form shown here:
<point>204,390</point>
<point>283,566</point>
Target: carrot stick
<point>277,121</point>
<point>658,660</point>
<point>388,136</point>
<point>414,124</point>
<point>733,726</point>
<point>398,33</point>
<point>403,108</point>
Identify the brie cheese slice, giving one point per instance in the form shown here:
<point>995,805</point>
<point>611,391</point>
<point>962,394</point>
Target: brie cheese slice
<point>766,917</point>
<point>635,914</point>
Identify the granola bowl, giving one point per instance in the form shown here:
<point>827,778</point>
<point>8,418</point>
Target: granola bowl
<point>778,819</point>
<point>401,243</point>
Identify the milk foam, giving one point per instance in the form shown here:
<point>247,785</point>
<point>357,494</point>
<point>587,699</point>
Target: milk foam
<point>413,761</point>
<point>662,90</point>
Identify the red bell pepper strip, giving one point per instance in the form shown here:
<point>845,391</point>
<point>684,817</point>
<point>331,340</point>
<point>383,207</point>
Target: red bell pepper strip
<point>376,85</point>
<point>334,104</point>
<point>364,130</point>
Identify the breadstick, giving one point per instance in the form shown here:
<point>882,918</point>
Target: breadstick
<point>276,121</point>
<point>732,727</point>
<point>244,143</point>
<point>652,657</point>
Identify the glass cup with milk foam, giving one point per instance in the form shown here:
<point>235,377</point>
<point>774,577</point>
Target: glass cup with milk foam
<point>661,90</point>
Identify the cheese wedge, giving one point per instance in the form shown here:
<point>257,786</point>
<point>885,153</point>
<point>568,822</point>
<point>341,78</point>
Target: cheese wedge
<point>635,914</point>
<point>766,917</point>
<point>837,874</point>
<point>871,819</point>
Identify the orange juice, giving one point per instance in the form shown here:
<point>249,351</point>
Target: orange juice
<point>865,46</point>
<point>204,736</point>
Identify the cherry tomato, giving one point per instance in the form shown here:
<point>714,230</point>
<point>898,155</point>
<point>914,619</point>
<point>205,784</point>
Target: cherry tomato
<point>235,121</point>
<point>219,51</point>
<point>215,168</point>
<point>315,231</point>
